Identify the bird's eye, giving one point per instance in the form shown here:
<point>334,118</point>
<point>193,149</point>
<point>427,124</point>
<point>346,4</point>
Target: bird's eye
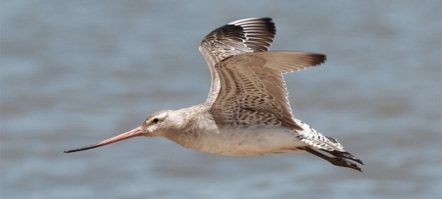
<point>155,120</point>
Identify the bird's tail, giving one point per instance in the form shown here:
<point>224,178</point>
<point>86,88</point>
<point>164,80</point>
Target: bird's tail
<point>326,148</point>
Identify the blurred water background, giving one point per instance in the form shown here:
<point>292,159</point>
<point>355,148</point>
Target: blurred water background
<point>75,72</point>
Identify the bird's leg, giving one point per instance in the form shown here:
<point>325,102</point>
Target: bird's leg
<point>337,161</point>
<point>345,155</point>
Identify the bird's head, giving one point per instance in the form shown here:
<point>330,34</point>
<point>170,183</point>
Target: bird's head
<point>156,124</point>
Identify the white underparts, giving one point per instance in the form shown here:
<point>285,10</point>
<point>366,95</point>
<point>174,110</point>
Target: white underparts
<point>251,141</point>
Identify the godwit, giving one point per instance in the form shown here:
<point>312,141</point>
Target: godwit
<point>247,111</point>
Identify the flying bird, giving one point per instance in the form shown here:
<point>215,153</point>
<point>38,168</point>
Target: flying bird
<point>247,111</point>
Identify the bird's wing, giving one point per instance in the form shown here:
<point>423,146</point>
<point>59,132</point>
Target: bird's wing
<point>253,90</point>
<point>242,36</point>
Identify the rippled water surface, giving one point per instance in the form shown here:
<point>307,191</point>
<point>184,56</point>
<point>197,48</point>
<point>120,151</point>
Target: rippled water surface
<point>74,72</point>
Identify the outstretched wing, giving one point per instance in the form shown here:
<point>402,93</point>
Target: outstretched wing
<point>253,91</point>
<point>242,36</point>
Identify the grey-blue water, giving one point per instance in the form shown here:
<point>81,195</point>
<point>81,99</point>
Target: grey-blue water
<point>75,72</point>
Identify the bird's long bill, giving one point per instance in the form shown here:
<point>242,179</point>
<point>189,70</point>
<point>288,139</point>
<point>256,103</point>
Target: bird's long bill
<point>132,133</point>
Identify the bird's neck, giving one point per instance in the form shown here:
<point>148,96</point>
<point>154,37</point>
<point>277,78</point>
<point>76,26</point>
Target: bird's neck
<point>193,125</point>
